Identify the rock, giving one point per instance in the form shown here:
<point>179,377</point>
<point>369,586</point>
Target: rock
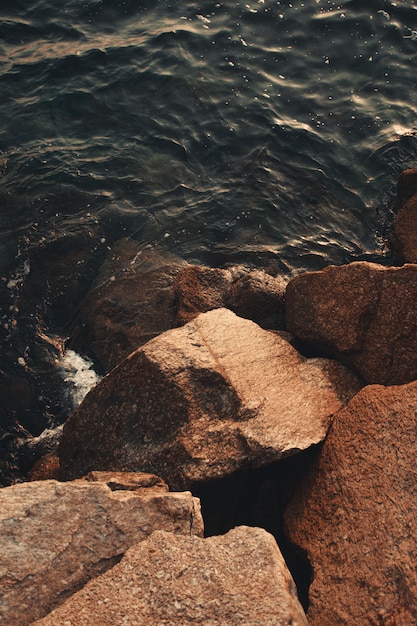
<point>45,468</point>
<point>236,579</point>
<point>363,314</point>
<point>253,294</point>
<point>403,237</point>
<point>200,289</point>
<point>406,186</point>
<point>355,513</point>
<point>56,536</point>
<point>202,401</point>
<point>259,297</point>
<point>131,302</point>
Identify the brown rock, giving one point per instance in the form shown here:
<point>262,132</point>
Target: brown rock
<point>355,513</point>
<point>200,289</point>
<point>363,314</point>
<point>132,301</point>
<point>251,294</point>
<point>407,186</point>
<point>130,481</point>
<point>235,579</point>
<point>47,467</point>
<point>201,401</point>
<point>404,232</point>
<point>56,536</point>
<point>259,297</point>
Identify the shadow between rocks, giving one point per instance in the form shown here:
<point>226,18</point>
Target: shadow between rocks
<point>258,497</point>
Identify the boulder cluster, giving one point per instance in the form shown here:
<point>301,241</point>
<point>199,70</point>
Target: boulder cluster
<point>212,375</point>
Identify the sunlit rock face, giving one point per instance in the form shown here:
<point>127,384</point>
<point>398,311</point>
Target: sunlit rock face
<point>363,314</point>
<point>355,512</point>
<point>56,536</point>
<point>239,578</point>
<point>204,400</point>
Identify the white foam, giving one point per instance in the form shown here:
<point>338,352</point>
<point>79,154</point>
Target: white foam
<point>78,372</point>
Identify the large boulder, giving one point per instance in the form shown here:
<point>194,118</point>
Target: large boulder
<point>363,314</point>
<point>56,536</point>
<point>131,301</point>
<point>235,579</point>
<point>252,294</point>
<point>204,400</point>
<point>355,513</point>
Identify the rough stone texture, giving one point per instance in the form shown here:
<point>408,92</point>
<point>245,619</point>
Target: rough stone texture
<point>55,536</point>
<point>355,513</point>
<point>131,302</point>
<point>363,314</point>
<point>407,186</point>
<point>404,233</point>
<point>201,401</point>
<point>235,579</point>
<point>259,297</point>
<point>200,289</point>
<point>253,294</point>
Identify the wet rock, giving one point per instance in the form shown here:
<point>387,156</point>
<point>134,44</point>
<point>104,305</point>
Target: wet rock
<point>403,236</point>
<point>131,302</point>
<point>200,289</point>
<point>252,294</point>
<point>259,297</point>
<point>355,513</point>
<point>57,536</point>
<point>406,186</point>
<point>201,401</point>
<point>363,314</point>
<point>236,579</point>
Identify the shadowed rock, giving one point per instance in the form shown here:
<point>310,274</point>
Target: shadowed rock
<point>236,579</point>
<point>404,232</point>
<point>363,314</point>
<point>56,536</point>
<point>406,186</point>
<point>251,294</point>
<point>355,513</point>
<point>204,400</point>
<point>131,302</point>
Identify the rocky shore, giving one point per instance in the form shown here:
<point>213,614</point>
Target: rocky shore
<point>247,458</point>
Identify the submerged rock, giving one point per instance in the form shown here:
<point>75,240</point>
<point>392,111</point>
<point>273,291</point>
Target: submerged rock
<point>355,513</point>
<point>204,400</point>
<point>363,314</point>
<point>236,579</point>
<point>56,536</point>
<point>131,302</point>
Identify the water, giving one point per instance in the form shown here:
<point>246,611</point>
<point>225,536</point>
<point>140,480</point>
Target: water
<point>222,131</point>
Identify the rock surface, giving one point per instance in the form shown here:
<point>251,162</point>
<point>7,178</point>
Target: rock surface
<point>55,536</point>
<point>236,579</point>
<point>355,513</point>
<point>404,232</point>
<point>204,400</point>
<point>131,302</point>
<point>407,186</point>
<point>363,314</point>
<point>253,294</point>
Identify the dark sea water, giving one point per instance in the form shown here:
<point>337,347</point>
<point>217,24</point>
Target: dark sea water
<point>221,131</point>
